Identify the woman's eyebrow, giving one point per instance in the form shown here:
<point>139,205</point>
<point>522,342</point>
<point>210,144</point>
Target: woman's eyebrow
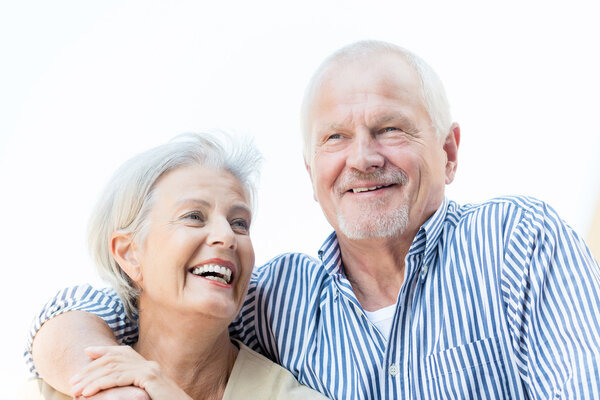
<point>241,207</point>
<point>191,202</point>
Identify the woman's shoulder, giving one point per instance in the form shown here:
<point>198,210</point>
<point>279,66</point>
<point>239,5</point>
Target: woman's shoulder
<point>37,389</point>
<point>256,377</point>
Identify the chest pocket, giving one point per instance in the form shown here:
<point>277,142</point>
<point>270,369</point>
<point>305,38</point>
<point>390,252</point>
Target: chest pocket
<point>474,370</point>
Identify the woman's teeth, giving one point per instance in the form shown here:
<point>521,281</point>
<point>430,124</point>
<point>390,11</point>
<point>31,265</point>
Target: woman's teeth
<point>213,272</point>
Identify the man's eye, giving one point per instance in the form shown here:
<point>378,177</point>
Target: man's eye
<point>389,129</point>
<point>334,136</point>
<point>240,225</point>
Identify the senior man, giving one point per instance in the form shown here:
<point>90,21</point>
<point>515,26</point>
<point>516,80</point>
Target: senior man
<point>413,295</point>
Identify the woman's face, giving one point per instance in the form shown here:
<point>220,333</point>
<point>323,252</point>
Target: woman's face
<point>197,255</point>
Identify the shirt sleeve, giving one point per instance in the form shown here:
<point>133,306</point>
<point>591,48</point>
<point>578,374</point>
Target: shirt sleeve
<point>243,326</point>
<point>105,303</point>
<point>551,287</point>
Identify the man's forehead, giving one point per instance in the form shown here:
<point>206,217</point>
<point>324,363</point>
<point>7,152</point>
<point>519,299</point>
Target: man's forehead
<point>386,65</point>
<point>348,80</point>
<point>386,75</point>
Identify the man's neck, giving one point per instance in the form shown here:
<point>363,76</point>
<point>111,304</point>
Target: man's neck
<point>197,357</point>
<point>375,268</point>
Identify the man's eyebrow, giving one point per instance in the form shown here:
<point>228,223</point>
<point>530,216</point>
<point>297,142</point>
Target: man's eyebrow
<point>331,127</point>
<point>336,127</point>
<point>382,119</point>
<point>405,122</point>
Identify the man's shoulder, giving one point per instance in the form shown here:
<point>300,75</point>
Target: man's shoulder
<point>500,206</point>
<point>289,262</point>
<point>289,275</point>
<point>300,268</point>
<point>505,217</point>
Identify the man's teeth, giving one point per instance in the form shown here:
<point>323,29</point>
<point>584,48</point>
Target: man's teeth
<point>367,189</point>
<point>213,272</point>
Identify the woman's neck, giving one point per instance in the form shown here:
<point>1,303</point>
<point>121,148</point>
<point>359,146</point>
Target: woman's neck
<point>195,352</point>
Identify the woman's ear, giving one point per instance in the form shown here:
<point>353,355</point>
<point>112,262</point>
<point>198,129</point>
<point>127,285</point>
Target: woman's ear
<point>123,251</point>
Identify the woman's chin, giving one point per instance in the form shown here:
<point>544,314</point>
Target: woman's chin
<point>215,307</point>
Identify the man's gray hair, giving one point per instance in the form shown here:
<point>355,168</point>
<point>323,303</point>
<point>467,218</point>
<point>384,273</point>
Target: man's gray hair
<point>128,196</point>
<point>432,89</point>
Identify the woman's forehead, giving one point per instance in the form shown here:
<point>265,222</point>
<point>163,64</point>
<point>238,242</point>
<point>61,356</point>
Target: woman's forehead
<point>201,183</point>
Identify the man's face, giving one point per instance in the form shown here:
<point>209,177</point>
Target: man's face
<point>377,167</point>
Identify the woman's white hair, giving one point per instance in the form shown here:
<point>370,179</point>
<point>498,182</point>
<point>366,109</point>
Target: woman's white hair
<point>128,196</point>
<point>432,89</point>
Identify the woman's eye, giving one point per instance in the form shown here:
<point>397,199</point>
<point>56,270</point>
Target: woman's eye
<point>240,225</point>
<point>195,217</point>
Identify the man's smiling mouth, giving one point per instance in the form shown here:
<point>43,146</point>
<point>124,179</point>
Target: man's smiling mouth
<point>368,189</point>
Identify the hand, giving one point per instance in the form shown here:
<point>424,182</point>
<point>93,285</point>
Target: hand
<point>119,393</point>
<point>117,366</point>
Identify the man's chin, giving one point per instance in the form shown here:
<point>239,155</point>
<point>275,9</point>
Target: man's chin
<point>374,225</point>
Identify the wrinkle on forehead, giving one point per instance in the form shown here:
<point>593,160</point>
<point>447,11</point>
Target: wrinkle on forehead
<point>375,120</point>
<point>364,106</point>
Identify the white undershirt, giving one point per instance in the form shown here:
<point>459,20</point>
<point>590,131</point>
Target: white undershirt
<point>382,319</point>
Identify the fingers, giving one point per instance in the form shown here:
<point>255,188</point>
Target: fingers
<point>97,351</point>
<point>119,393</point>
<point>113,366</point>
<point>104,355</point>
<point>94,384</point>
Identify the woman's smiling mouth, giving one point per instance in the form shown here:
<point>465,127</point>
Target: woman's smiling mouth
<point>216,270</point>
<point>213,272</point>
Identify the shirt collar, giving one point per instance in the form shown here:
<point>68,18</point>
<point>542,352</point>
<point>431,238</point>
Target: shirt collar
<point>330,254</point>
<point>429,234</point>
<point>426,240</point>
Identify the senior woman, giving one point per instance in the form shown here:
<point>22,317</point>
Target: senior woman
<point>171,234</point>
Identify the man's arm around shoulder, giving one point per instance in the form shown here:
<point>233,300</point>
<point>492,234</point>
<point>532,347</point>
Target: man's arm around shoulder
<point>58,347</point>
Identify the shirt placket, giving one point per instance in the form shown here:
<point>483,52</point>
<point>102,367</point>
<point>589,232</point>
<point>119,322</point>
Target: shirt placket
<point>397,370</point>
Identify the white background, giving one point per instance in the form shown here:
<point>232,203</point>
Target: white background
<point>84,85</point>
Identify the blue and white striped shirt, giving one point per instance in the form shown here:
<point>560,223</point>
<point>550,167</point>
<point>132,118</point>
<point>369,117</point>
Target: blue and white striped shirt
<point>500,301</point>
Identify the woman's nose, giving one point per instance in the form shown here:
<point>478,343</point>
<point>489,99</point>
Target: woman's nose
<point>221,234</point>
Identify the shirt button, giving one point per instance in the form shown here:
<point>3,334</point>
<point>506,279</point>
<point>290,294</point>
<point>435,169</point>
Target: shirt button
<point>424,271</point>
<point>393,370</point>
<point>358,311</point>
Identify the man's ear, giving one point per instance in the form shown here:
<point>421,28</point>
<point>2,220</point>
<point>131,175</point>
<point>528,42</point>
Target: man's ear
<point>123,251</point>
<point>451,144</point>
<point>307,166</point>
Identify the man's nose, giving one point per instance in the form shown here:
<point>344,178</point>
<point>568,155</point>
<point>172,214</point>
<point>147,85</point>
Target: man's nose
<point>222,235</point>
<point>364,153</point>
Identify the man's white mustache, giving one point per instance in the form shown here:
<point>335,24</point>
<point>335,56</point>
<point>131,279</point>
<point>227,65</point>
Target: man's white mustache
<point>380,177</point>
